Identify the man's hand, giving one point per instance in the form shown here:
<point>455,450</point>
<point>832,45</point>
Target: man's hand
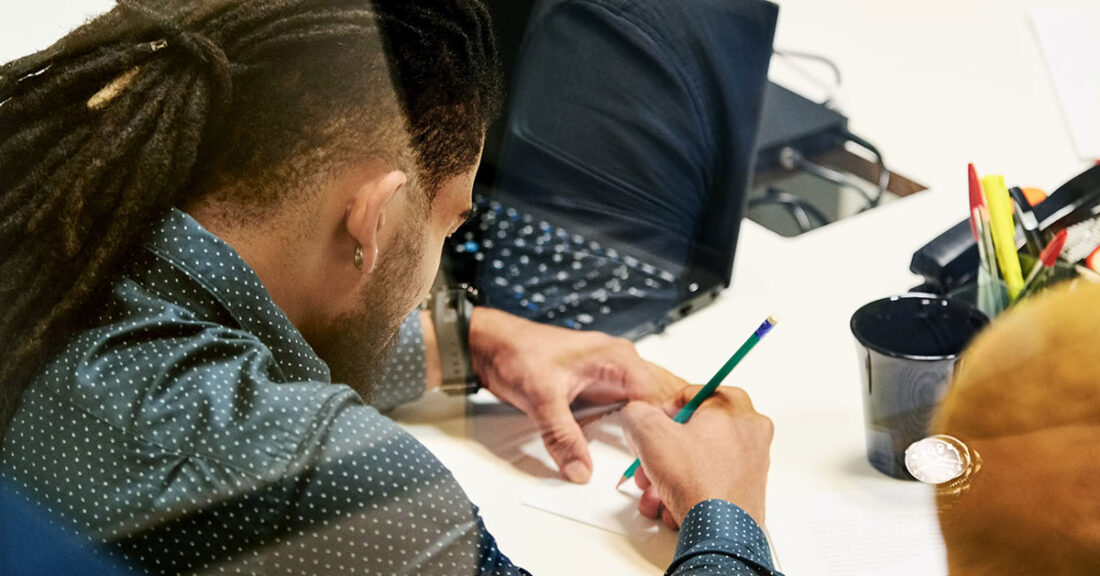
<point>542,369</point>
<point>722,452</point>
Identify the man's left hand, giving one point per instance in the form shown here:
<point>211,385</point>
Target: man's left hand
<point>542,369</point>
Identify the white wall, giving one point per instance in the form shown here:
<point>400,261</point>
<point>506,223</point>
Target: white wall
<point>29,26</point>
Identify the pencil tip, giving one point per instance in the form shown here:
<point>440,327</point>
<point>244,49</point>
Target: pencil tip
<point>621,481</point>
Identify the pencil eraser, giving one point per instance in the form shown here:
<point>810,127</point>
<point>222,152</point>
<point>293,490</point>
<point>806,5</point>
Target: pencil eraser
<point>765,327</point>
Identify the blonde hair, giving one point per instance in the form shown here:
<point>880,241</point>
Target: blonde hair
<point>1026,397</point>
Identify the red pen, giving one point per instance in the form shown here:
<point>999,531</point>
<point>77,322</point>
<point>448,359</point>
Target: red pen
<point>977,199</point>
<point>979,224</point>
<point>1047,258</point>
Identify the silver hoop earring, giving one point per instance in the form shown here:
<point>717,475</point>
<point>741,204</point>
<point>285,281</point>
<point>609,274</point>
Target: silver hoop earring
<point>359,257</point>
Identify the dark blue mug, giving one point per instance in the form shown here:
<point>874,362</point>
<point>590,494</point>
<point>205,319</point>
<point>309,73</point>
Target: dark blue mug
<point>908,346</point>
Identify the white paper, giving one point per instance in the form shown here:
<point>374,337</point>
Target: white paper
<point>1070,40</point>
<point>884,528</point>
<point>597,503</point>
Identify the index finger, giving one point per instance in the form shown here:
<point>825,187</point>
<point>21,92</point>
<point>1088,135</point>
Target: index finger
<point>681,399</point>
<point>727,397</point>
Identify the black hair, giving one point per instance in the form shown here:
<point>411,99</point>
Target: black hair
<point>142,109</point>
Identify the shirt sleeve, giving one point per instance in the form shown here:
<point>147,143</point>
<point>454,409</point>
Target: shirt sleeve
<point>403,377</point>
<point>719,538</point>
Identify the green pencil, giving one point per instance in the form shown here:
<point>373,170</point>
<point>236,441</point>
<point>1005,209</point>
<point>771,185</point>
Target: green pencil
<point>685,413</point>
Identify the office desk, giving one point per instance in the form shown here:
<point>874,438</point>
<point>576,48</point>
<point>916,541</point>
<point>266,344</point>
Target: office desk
<point>934,85</point>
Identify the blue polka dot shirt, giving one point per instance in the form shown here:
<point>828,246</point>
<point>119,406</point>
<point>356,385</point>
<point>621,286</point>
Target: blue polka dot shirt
<point>191,429</point>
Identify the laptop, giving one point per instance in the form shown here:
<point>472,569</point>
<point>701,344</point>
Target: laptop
<point>566,231</point>
<point>525,263</point>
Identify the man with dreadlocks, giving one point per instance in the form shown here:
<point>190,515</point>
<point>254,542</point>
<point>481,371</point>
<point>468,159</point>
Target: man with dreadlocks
<point>211,211</point>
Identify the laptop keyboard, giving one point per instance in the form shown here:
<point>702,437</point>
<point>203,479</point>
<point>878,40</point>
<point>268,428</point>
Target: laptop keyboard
<point>543,272</point>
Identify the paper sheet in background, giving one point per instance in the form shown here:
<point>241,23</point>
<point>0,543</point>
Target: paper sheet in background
<point>882,529</point>
<point>597,503</point>
<point>1070,40</point>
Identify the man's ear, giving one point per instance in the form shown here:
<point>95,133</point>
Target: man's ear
<point>366,213</point>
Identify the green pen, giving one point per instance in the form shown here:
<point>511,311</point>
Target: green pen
<point>685,413</point>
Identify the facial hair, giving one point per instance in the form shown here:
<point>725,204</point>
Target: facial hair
<point>359,342</point>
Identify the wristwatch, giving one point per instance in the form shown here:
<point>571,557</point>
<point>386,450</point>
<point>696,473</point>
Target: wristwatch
<point>451,308</point>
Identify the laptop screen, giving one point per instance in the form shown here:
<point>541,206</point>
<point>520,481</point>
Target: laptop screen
<point>630,127</point>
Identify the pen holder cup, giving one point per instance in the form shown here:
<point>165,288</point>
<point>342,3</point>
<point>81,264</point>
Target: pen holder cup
<point>991,295</point>
<point>907,348</point>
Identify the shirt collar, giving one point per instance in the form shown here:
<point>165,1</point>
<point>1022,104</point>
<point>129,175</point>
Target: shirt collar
<point>182,242</point>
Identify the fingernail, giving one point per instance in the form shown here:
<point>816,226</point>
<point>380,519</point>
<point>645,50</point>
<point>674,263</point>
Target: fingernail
<point>577,472</point>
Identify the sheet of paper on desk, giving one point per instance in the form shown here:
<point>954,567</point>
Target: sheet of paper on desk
<point>883,529</point>
<point>597,503</point>
<point>1070,39</point>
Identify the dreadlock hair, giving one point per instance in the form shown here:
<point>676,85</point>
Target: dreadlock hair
<point>142,109</point>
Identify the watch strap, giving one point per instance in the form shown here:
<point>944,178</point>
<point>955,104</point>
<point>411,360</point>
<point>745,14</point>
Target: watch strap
<point>451,310</point>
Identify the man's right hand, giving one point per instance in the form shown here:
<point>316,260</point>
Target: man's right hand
<point>722,452</point>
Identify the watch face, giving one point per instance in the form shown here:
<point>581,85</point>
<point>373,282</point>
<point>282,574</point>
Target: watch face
<point>937,459</point>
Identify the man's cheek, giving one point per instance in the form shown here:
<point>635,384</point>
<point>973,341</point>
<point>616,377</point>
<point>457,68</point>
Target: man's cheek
<point>424,276</point>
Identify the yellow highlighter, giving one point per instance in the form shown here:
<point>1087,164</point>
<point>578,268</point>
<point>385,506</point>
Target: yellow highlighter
<point>1003,229</point>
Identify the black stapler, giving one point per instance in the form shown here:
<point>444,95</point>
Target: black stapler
<point>951,259</point>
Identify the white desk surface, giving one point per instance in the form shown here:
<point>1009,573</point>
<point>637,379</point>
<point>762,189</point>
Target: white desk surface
<point>934,85</point>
